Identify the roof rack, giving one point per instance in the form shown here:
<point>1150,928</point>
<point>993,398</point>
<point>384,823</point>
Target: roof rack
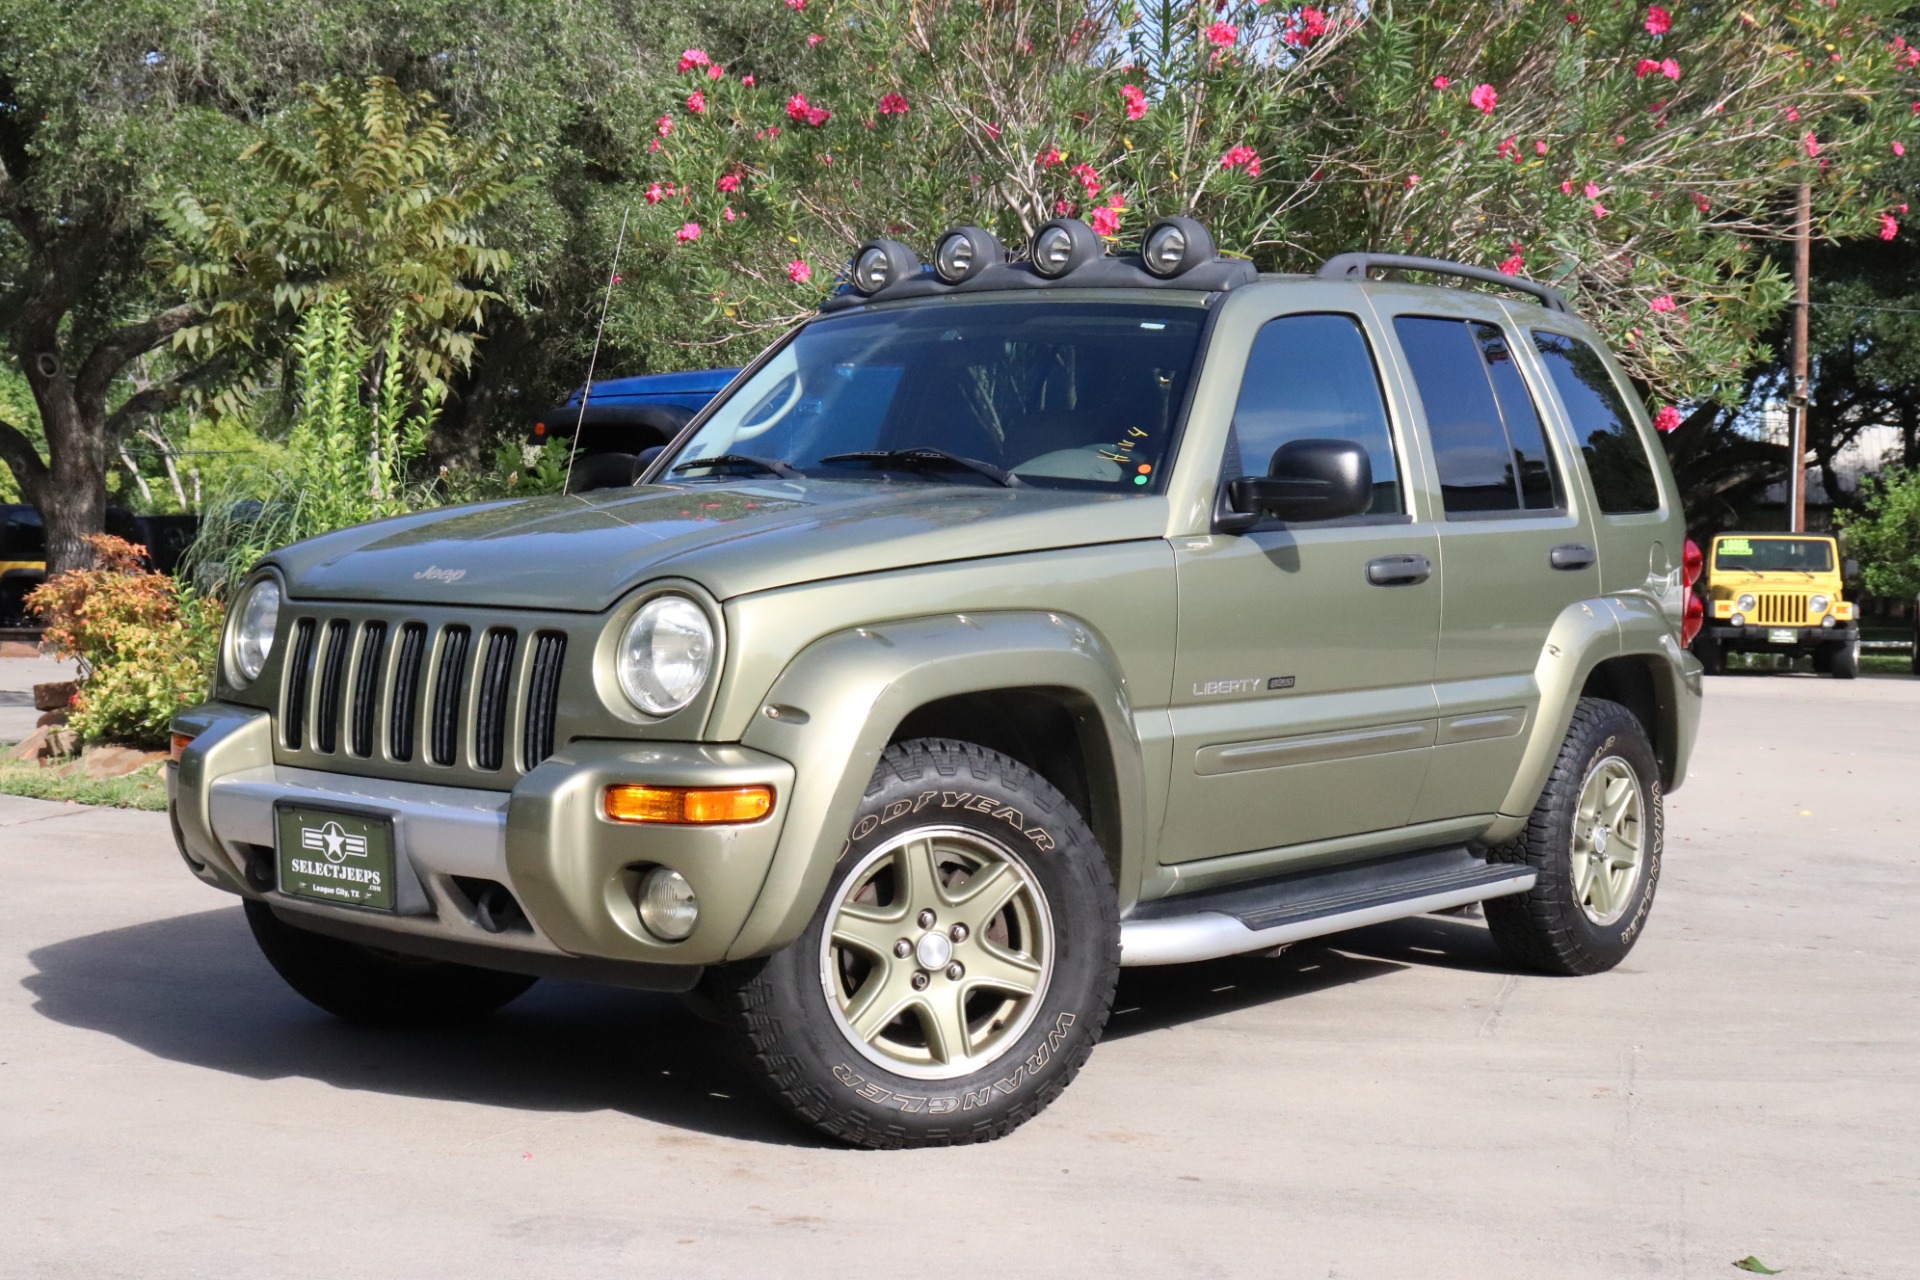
<point>1354,266</point>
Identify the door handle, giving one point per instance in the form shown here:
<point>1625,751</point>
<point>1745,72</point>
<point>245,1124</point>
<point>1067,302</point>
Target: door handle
<point>1398,571</point>
<point>1570,555</point>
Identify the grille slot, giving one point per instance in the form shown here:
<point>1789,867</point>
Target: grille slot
<point>449,693</point>
<point>366,687</point>
<point>299,675</point>
<point>1786,611</point>
<point>333,665</point>
<point>490,718</point>
<point>404,715</point>
<point>543,696</point>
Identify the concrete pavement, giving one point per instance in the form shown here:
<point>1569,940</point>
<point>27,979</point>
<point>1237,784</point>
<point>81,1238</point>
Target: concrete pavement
<point>1393,1102</point>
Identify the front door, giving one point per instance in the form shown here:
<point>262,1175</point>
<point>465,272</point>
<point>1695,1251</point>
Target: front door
<point>1302,703</point>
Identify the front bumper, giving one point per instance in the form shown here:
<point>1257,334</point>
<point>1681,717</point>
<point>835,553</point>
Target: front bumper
<point>1751,639</point>
<point>572,871</point>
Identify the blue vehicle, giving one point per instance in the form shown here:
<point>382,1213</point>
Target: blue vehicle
<point>623,417</point>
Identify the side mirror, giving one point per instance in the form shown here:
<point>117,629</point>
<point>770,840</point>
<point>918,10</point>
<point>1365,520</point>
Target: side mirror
<point>1307,480</point>
<point>645,459</point>
<point>1850,567</point>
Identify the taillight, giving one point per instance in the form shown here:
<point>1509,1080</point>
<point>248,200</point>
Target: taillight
<point>1692,562</point>
<point>1694,618</point>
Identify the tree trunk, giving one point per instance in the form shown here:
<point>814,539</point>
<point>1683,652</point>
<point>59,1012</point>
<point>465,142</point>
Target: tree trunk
<point>73,501</point>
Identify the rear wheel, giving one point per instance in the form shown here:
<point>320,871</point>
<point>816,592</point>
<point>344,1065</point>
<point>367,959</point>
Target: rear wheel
<point>1595,840</point>
<point>378,988</point>
<point>959,969</point>
<point>600,471</point>
<point>1843,659</point>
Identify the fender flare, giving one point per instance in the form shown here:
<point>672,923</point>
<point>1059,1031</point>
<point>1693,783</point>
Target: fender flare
<point>836,706</point>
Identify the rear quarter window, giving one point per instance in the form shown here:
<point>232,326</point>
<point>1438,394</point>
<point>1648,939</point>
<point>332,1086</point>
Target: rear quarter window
<point>1609,439</point>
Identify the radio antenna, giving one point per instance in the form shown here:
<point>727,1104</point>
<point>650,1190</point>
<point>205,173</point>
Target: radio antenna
<point>586,392</point>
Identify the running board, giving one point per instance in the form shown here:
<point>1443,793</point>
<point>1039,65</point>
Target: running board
<point>1227,922</point>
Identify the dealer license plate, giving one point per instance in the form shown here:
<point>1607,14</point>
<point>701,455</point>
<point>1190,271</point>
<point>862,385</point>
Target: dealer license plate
<point>1782,635</point>
<point>336,857</point>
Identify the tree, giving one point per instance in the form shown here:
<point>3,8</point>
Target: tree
<point>1884,535</point>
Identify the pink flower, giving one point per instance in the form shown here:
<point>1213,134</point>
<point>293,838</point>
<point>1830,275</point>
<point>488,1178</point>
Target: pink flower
<point>1663,303</point>
<point>1701,203</point>
<point>1793,113</point>
<point>728,213</point>
<point>1539,147</point>
<point>1600,210</point>
<point>1590,191</point>
<point>1089,178</point>
<point>1509,149</point>
<point>1812,144</point>
<point>817,116</point>
<point>1899,148</point>
<point>1484,97</point>
<point>716,72</point>
<point>993,131</point>
<point>729,182</point>
<point>1242,157</point>
<point>1670,69</point>
<point>1411,179</point>
<point>688,233</point>
<point>693,58</point>
<point>1223,34</point>
<point>1659,21</point>
<point>814,39</point>
<point>747,80</point>
<point>1063,207</point>
<point>1889,226</point>
<point>1513,266</point>
<point>1441,82</point>
<point>664,124</point>
<point>1668,419</point>
<point>654,194</point>
<point>796,5</point>
<point>1304,27</point>
<point>1106,221</point>
<point>1566,188</point>
<point>892,104</point>
<point>797,108</point>
<point>697,102</point>
<point>1646,68</point>
<point>1135,99</point>
<point>1050,157</point>
<point>798,271</point>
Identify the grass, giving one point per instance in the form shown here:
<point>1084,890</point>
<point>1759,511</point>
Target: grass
<point>144,789</point>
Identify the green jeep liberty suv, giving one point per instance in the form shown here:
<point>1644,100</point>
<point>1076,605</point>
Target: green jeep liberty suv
<point>1004,624</point>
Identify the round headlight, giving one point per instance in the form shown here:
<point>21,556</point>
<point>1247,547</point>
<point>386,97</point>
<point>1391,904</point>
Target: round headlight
<point>666,654</point>
<point>668,907</point>
<point>252,636</point>
<point>881,263</point>
<point>1061,245</point>
<point>1173,245</point>
<point>1818,603</point>
<point>965,252</point>
<point>1745,603</point>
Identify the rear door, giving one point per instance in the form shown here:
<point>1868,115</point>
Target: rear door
<point>1516,540</point>
<point>1302,705</point>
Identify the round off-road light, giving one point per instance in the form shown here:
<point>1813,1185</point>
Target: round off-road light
<point>668,907</point>
<point>1062,246</point>
<point>1818,603</point>
<point>1175,245</point>
<point>965,252</point>
<point>1828,621</point>
<point>251,639</point>
<point>881,263</point>
<point>1746,603</point>
<point>1738,619</point>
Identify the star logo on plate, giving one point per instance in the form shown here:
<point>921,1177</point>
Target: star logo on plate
<point>333,841</point>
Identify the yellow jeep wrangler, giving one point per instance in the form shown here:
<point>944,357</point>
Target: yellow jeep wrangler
<point>1777,593</point>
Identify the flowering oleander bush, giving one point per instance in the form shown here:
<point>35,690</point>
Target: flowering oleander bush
<point>145,642</point>
<point>1639,156</point>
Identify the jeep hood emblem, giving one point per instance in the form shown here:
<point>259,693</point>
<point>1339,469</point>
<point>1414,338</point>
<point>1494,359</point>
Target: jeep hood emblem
<point>434,573</point>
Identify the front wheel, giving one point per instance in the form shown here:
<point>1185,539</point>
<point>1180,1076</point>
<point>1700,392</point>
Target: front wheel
<point>1595,840</point>
<point>378,988</point>
<point>1713,659</point>
<point>959,969</point>
<point>1843,660</point>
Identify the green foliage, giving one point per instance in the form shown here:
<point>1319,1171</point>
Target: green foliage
<point>358,431</point>
<point>1884,535</point>
<point>142,789</point>
<point>16,406</point>
<point>145,643</point>
<point>373,198</point>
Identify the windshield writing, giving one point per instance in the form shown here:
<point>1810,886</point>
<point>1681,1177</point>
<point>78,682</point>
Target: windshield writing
<point>1060,394</point>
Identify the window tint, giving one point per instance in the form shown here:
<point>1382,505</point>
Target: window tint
<point>1615,451</point>
<point>1487,440</point>
<point>1313,378</point>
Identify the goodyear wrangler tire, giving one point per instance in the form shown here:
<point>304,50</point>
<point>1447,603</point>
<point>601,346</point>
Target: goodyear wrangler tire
<point>377,988</point>
<point>960,967</point>
<point>1595,839</point>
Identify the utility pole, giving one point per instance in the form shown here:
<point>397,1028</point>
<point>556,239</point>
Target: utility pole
<point>1797,448</point>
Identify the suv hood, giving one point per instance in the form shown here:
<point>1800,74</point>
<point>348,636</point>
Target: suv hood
<point>582,552</point>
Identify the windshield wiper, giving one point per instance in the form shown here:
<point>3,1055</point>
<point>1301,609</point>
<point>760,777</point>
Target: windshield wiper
<point>925,458</point>
<point>772,466</point>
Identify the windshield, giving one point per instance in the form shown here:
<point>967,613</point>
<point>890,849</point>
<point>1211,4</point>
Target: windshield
<point>1061,394</point>
<point>1774,555</point>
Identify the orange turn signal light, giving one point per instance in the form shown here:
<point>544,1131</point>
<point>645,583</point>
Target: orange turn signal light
<point>178,745</point>
<point>688,806</point>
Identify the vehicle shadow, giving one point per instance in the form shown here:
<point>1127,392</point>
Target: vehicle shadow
<point>194,989</point>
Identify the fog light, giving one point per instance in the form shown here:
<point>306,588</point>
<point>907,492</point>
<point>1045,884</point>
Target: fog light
<point>1738,619</point>
<point>1174,245</point>
<point>688,806</point>
<point>964,253</point>
<point>1827,621</point>
<point>1062,246</point>
<point>667,906</point>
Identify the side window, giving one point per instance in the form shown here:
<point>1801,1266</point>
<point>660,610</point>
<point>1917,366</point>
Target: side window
<point>1312,377</point>
<point>1488,444</point>
<point>1615,451</point>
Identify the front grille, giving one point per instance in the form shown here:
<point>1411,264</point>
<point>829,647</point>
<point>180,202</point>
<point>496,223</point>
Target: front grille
<point>426,699</point>
<point>1781,611</point>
